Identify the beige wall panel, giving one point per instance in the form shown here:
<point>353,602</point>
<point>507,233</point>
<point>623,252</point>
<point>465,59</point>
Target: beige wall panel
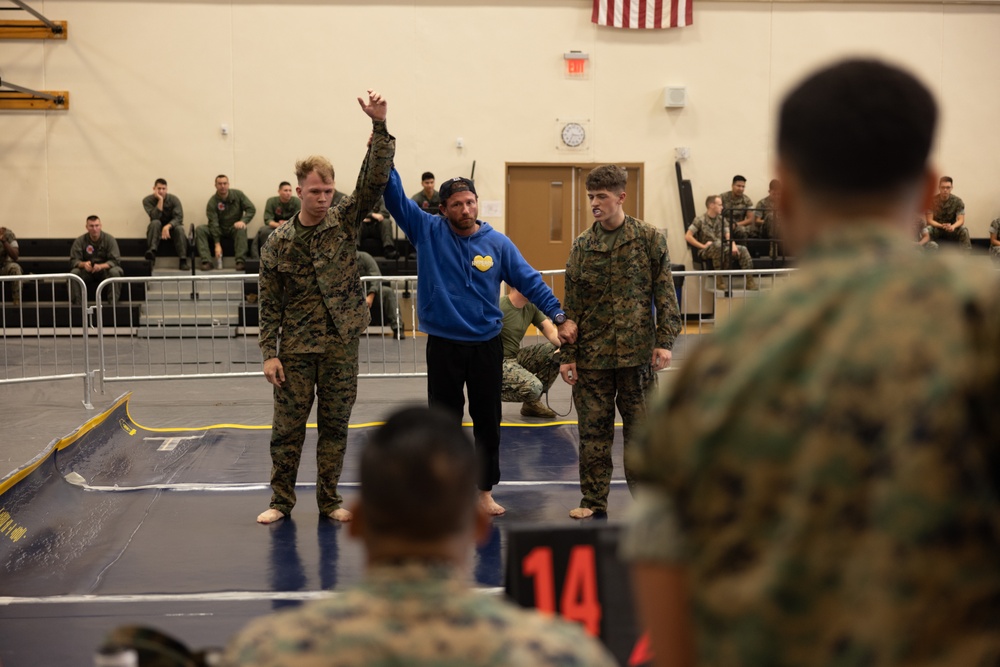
<point>152,83</point>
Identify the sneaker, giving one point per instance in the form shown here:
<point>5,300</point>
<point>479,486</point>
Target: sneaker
<point>206,266</point>
<point>184,265</point>
<point>536,408</point>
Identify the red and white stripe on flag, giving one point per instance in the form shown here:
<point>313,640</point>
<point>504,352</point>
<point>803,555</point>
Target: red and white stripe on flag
<point>642,13</point>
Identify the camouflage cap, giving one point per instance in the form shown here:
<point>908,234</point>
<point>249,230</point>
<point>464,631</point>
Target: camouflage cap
<point>457,184</point>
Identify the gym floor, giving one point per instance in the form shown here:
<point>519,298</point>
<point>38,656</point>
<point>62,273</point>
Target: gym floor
<point>158,528</point>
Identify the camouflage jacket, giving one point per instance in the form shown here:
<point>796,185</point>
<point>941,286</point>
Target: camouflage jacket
<point>947,211</point>
<point>313,293</point>
<point>413,615</point>
<point>738,205</point>
<point>706,229</point>
<point>12,241</point>
<point>611,293</point>
<point>828,479</point>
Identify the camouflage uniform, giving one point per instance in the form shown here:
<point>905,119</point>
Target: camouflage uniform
<point>610,294</point>
<point>222,215</point>
<point>706,229</point>
<point>384,291</point>
<point>312,293</point>
<point>826,478</point>
<point>947,212</point>
<point>738,206</point>
<point>528,372</point>
<point>995,233</point>
<point>173,215</point>
<point>276,210</point>
<point>413,615</point>
<point>8,267</point>
<point>103,251</point>
<point>921,228</point>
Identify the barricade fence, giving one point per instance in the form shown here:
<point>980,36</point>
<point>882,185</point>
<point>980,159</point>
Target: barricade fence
<point>206,326</point>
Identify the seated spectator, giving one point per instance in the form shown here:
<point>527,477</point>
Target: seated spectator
<point>278,210</point>
<point>745,224</point>
<point>767,211</point>
<point>528,372</point>
<point>995,240</point>
<point>947,217</point>
<point>94,257</point>
<point>229,212</point>
<point>376,233</point>
<point>9,254</point>
<point>384,291</point>
<point>428,198</point>
<point>418,518</point>
<point>923,236</point>
<point>705,234</point>
<point>166,221</point>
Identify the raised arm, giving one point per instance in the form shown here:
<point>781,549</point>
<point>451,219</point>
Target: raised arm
<point>374,171</point>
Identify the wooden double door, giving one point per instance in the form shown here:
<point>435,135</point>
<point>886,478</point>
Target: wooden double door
<point>547,209</point>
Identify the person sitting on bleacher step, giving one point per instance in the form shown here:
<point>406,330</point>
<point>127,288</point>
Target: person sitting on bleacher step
<point>705,234</point>
<point>95,257</point>
<point>166,221</point>
<point>9,254</point>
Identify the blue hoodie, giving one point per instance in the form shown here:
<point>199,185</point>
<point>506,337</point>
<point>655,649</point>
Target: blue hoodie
<point>458,290</point>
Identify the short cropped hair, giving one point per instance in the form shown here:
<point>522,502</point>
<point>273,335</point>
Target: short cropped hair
<point>221,176</point>
<point>609,177</point>
<point>91,218</point>
<point>775,183</point>
<point>283,184</point>
<point>316,163</point>
<point>737,178</point>
<point>710,199</point>
<point>946,179</point>
<point>427,176</point>
<point>160,181</point>
<point>858,127</point>
<point>418,476</point>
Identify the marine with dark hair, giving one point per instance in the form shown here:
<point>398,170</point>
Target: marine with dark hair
<point>418,518</point>
<point>736,205</point>
<point>820,484</point>
<point>428,198</point>
<point>620,290</point>
<point>166,222</point>
<point>278,210</point>
<point>312,313</point>
<point>946,218</point>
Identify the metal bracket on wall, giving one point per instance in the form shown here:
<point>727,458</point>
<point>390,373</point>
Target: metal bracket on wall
<point>43,28</point>
<point>19,97</point>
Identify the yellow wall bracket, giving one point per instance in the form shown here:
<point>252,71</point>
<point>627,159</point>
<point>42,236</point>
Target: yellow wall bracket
<point>33,29</point>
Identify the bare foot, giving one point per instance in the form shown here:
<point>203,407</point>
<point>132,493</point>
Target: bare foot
<point>489,505</point>
<point>340,514</point>
<point>270,516</point>
<point>581,513</point>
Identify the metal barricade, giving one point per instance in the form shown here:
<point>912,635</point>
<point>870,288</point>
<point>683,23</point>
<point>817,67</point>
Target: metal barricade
<point>177,327</point>
<point>394,309</point>
<point>713,296</point>
<point>44,337</point>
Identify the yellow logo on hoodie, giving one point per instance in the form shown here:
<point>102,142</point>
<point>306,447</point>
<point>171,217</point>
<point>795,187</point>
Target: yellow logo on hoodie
<point>484,264</point>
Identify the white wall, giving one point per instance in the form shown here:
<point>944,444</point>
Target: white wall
<point>151,83</point>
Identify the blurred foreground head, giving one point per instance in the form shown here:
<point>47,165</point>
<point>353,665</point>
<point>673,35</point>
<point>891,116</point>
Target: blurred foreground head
<point>853,141</point>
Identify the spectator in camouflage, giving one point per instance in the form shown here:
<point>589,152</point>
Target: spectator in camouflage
<point>947,217</point>
<point>819,483</point>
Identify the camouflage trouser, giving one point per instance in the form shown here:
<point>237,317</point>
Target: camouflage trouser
<point>596,393</point>
<point>530,373</point>
<point>752,231</point>
<point>930,246</point>
<point>12,269</point>
<point>714,253</point>
<point>959,236</point>
<point>333,377</point>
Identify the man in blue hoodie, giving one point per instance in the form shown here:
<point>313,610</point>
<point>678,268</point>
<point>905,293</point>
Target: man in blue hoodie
<point>461,262</point>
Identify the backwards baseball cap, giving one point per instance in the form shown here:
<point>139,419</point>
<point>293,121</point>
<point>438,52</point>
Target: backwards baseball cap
<point>457,184</point>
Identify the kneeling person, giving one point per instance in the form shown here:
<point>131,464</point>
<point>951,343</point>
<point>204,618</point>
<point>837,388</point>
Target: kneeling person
<point>528,372</point>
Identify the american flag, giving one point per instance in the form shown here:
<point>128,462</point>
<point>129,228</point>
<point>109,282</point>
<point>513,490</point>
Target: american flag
<point>642,13</point>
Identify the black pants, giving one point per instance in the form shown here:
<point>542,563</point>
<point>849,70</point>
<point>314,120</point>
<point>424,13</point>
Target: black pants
<point>452,365</point>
